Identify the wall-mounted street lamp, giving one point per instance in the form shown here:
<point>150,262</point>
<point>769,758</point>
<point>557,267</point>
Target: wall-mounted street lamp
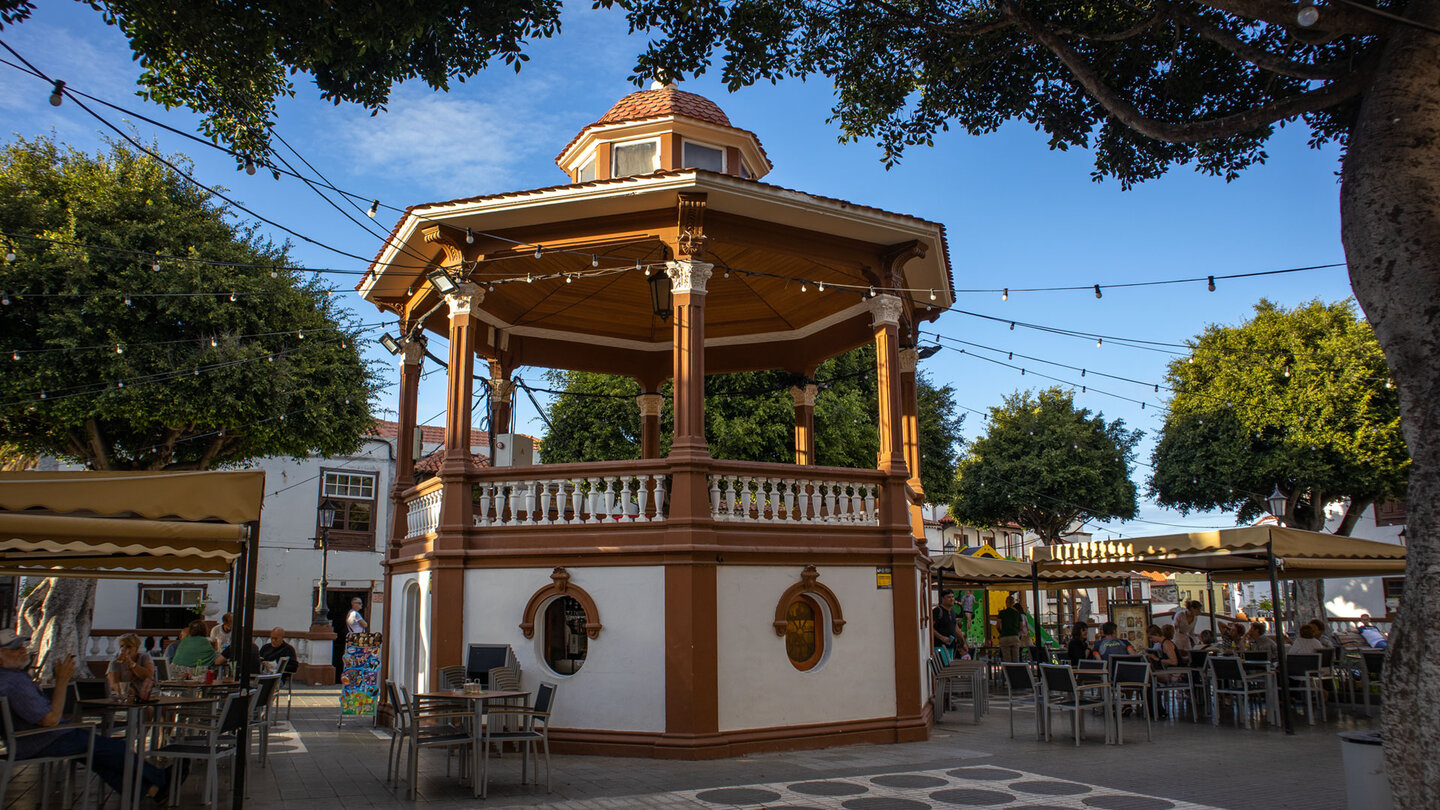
<point>660,298</point>
<point>327,521</point>
<point>1276,504</point>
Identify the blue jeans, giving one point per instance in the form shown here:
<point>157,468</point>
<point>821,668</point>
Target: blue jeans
<point>108,762</point>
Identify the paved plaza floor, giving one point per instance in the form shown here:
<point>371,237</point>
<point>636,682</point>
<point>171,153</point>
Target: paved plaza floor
<point>316,766</point>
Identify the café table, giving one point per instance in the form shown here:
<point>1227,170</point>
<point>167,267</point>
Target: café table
<point>135,734</point>
<point>479,701</point>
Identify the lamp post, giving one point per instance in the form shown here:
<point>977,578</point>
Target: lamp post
<point>327,520</point>
<point>1276,504</point>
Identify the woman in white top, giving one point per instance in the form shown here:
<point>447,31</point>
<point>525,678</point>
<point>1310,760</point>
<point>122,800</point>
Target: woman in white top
<point>1185,626</point>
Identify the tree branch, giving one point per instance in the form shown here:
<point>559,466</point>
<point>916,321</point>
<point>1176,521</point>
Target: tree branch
<point>1353,513</point>
<point>1226,126</point>
<point>99,451</point>
<point>210,452</point>
<point>1335,21</point>
<point>973,30</point>
<point>77,444</point>
<point>167,450</point>
<point>1255,55</point>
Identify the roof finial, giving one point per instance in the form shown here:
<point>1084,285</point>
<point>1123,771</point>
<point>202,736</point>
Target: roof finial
<point>660,82</point>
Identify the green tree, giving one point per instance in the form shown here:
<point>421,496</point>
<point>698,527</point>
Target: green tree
<point>206,362</point>
<point>1146,86</point>
<point>750,416</point>
<point>1300,399</point>
<point>230,62</point>
<point>1045,466</point>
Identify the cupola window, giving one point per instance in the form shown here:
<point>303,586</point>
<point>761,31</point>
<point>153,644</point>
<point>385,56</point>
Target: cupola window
<point>700,156</point>
<point>635,158</point>
<point>586,173</point>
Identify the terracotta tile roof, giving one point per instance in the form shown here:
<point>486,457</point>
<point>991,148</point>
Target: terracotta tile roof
<point>431,462</point>
<point>429,434</point>
<point>664,101</point>
<point>617,181</point>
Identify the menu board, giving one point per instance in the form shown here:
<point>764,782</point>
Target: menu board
<point>1131,619</point>
<point>360,675</point>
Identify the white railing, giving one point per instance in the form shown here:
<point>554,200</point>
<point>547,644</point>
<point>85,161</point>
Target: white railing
<point>423,516</point>
<point>570,501</point>
<point>760,499</point>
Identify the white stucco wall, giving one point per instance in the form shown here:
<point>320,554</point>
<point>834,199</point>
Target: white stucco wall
<point>621,686</point>
<point>758,686</point>
<point>402,626</point>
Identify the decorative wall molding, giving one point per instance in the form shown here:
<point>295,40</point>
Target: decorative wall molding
<point>691,225</point>
<point>809,584</point>
<point>560,585</point>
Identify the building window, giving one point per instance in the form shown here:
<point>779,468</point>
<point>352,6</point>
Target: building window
<point>169,607</point>
<point>635,158</point>
<point>745,171</point>
<point>1390,513</point>
<point>804,636</point>
<point>586,172</point>
<point>565,642</point>
<point>353,495</point>
<point>699,156</point>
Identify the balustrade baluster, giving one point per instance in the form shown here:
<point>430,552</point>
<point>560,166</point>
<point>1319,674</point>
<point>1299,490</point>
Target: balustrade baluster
<point>609,497</point>
<point>787,483</point>
<point>747,498</point>
<point>772,500</point>
<point>659,497</point>
<point>643,495</point>
<point>594,500</point>
<point>830,497</point>
<point>545,503</point>
<point>714,497</point>
<point>577,501</point>
<point>514,515</point>
<point>870,516</point>
<point>485,498</point>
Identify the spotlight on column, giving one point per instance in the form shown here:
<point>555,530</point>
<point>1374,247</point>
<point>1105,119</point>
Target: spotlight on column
<point>441,281</point>
<point>390,343</point>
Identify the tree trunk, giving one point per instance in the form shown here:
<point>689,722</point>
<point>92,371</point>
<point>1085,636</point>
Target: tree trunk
<point>1390,210</point>
<point>56,614</point>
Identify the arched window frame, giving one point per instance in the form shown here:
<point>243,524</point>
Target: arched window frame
<point>560,585</point>
<point>820,636</point>
<point>809,584</point>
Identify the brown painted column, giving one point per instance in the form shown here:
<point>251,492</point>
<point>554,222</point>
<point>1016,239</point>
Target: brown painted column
<point>650,405</point>
<point>502,397</point>
<point>885,318</point>
<point>446,559</point>
<point>411,356</point>
<point>804,423</point>
<point>687,288</point>
<point>910,437</point>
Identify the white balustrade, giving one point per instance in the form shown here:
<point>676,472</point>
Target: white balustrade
<point>758,499</point>
<point>423,516</point>
<point>570,501</point>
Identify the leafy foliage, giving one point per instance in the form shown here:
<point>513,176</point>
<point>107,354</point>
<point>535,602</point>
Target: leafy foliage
<point>229,62</point>
<point>1044,465</point>
<point>750,416</point>
<point>1146,85</point>
<point>1300,399</point>
<point>122,366</point>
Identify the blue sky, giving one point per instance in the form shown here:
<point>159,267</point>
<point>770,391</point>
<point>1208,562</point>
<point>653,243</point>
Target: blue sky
<point>1017,214</point>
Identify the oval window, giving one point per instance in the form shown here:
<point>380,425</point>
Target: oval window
<point>565,641</point>
<point>804,641</point>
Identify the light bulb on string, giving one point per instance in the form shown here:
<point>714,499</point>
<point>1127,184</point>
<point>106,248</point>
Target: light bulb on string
<point>1082,372</point>
<point>212,343</point>
<point>932,295</point>
<point>529,279</point>
<point>127,301</point>
<point>57,95</point>
<point>537,251</point>
<point>1005,294</point>
<point>249,165</point>
<point>232,297</point>
<point>469,237</point>
<point>120,384</point>
<point>802,286</point>
<point>1099,342</point>
<point>300,333</point>
<point>1210,282</point>
<point>374,209</point>
<point>820,285</point>
<point>727,272</point>
<point>44,395</point>
<point>569,278</point>
<point>155,265</point>
<point>119,349</point>
<point>15,355</point>
<point>9,252</point>
<point>274,273</point>
<point>594,260</point>
<point>5,299</point>
<point>872,292</point>
<point>1097,291</point>
<point>1012,326</point>
<point>1010,356</point>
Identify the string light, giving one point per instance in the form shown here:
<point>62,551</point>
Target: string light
<point>594,260</point>
<point>1012,326</point>
<point>1099,342</point>
<point>58,94</point>
<point>232,297</point>
<point>932,295</point>
<point>872,292</point>
<point>569,278</point>
<point>1210,282</point>
<point>5,299</point>
<point>15,355</point>
<point>374,209</point>
<point>300,333</point>
<point>274,273</point>
<point>1097,291</point>
<point>529,279</point>
<point>127,301</point>
<point>537,251</point>
<point>802,286</point>
<point>249,165</point>
<point>469,237</point>
<point>9,252</point>
<point>155,265</point>
<point>1005,294</point>
<point>820,286</point>
<point>212,342</point>
<point>119,349</point>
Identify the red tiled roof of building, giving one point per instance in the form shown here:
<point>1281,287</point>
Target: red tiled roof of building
<point>431,462</point>
<point>429,434</point>
<point>664,101</point>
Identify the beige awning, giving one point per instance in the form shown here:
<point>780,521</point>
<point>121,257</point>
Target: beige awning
<point>994,573</point>
<point>122,524</point>
<point>1232,555</point>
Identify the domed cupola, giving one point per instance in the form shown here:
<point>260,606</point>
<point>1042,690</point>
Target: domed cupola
<point>662,129</point>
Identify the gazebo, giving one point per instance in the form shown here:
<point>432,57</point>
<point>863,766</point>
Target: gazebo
<point>688,606</point>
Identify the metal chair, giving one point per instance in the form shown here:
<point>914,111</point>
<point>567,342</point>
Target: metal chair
<point>1023,691</point>
<point>1174,682</point>
<point>10,758</point>
<point>208,737</point>
<point>968,675</point>
<point>1228,677</point>
<point>452,677</point>
<point>534,729</point>
<point>1063,693</point>
<point>436,724</point>
<point>266,688</point>
<point>162,668</point>
<point>1304,669</point>
<point>1132,691</point>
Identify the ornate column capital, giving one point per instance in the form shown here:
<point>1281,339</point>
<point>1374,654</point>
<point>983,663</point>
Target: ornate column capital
<point>465,299</point>
<point>412,350</point>
<point>909,361</point>
<point>650,404</point>
<point>804,396</point>
<point>885,310</point>
<point>688,276</point>
<point>501,390</point>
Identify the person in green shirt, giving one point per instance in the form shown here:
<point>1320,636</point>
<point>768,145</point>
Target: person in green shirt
<point>194,650</point>
<point>1010,620</point>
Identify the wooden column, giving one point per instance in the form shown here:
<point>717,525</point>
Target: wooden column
<point>804,423</point>
<point>412,354</point>
<point>502,397</point>
<point>649,405</point>
<point>446,557</point>
<point>910,437</point>
<point>885,318</point>
<point>687,289</point>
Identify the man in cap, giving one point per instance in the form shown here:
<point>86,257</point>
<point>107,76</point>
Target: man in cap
<point>30,708</point>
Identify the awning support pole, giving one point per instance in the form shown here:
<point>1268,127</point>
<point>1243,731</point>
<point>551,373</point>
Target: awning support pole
<point>1210,599</point>
<point>1279,638</point>
<point>240,642</point>
<point>1035,589</point>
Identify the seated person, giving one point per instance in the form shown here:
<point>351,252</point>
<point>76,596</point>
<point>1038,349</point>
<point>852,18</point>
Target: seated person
<point>1308,642</point>
<point>1323,635</point>
<point>229,655</point>
<point>1257,641</point>
<point>278,648</point>
<point>1373,637</point>
<point>1163,653</point>
<point>1078,650</point>
<point>1110,643</point>
<point>194,650</point>
<point>29,708</point>
<point>1207,639</point>
<point>169,650</point>
<point>130,665</point>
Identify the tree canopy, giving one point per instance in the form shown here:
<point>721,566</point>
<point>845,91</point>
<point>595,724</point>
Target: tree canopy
<point>1301,399</point>
<point>230,62</point>
<point>750,416</point>
<point>1045,465</point>
<point>143,328</point>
